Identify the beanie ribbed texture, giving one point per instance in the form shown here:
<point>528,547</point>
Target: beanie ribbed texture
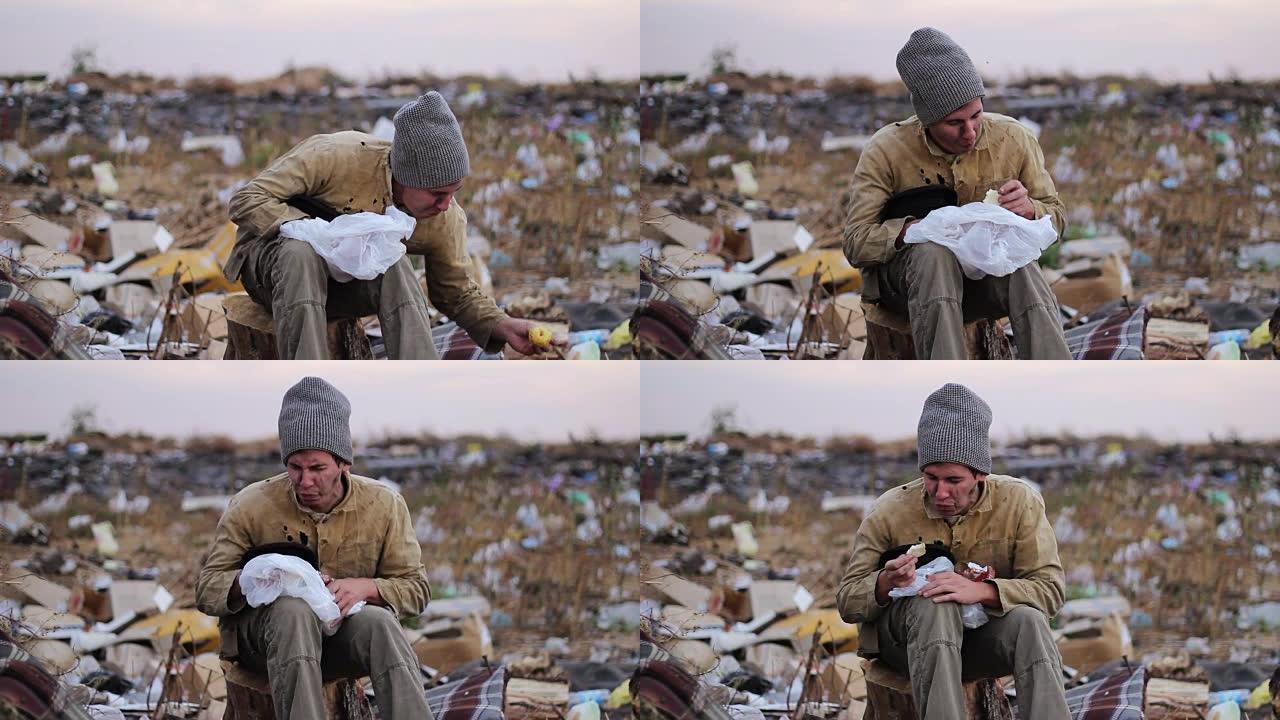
<point>939,74</point>
<point>428,150</point>
<point>954,427</point>
<point>315,416</point>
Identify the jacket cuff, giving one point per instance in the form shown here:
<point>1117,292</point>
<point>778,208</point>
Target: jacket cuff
<point>1002,590</point>
<point>482,333</point>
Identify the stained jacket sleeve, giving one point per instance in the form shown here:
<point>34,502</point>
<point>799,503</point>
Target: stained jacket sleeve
<point>856,598</point>
<point>1038,578</point>
<point>401,577</point>
<point>1039,184</point>
<point>259,208</point>
<point>867,241</point>
<point>222,565</point>
<point>451,286</point>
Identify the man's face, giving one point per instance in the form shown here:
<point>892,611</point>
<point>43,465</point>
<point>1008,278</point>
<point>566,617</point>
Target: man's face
<point>424,203</point>
<point>317,479</point>
<point>951,488</point>
<point>957,133</point>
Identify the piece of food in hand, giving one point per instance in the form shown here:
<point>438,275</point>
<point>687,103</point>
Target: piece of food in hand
<point>992,198</point>
<point>540,336</point>
<point>916,550</point>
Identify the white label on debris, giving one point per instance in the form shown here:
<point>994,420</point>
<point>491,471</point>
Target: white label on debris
<point>803,598</point>
<point>163,239</point>
<point>163,598</point>
<point>803,238</point>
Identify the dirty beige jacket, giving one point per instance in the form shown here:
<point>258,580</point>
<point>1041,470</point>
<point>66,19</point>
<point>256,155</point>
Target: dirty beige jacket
<point>901,156</point>
<point>1006,529</point>
<point>351,172</point>
<point>368,534</point>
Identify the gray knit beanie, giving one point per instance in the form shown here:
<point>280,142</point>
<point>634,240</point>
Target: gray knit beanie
<point>939,74</point>
<point>315,416</point>
<point>954,427</point>
<point>428,150</point>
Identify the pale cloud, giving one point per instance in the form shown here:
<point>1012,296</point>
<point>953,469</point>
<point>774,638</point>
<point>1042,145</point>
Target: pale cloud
<point>532,401</point>
<point>531,40</point>
<point>1175,39</point>
<point>1182,401</point>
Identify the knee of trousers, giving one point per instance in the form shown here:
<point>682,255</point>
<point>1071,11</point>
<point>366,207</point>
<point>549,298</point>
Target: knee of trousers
<point>296,259</point>
<point>1030,625</point>
<point>928,618</point>
<point>930,262</point>
<point>292,617</point>
<point>379,626</point>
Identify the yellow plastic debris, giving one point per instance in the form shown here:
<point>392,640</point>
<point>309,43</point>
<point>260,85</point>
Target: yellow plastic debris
<point>619,337</point>
<point>1261,696</point>
<point>620,697</point>
<point>803,625</point>
<point>198,629</point>
<point>1260,337</point>
<point>201,266</point>
<point>835,269</point>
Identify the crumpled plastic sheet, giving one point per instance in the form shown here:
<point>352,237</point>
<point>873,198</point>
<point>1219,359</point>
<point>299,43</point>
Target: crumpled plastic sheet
<point>266,578</point>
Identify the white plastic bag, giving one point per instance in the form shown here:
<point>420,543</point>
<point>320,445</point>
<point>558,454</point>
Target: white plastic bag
<point>362,245</point>
<point>986,239</point>
<point>266,578</point>
<point>972,615</point>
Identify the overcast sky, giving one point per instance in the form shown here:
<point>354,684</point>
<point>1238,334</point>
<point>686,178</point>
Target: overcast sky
<point>529,39</point>
<point>1169,400</point>
<point>548,39</point>
<point>1169,39</point>
<point>528,400</point>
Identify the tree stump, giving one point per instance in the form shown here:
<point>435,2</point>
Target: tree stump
<point>889,337</point>
<point>889,696</point>
<point>251,334</point>
<point>249,697</point>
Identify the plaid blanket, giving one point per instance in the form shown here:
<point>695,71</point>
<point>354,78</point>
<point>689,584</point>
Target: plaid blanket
<point>475,697</point>
<point>28,331</point>
<point>1119,336</point>
<point>27,690</point>
<point>1118,697</point>
<point>663,689</point>
<point>451,341</point>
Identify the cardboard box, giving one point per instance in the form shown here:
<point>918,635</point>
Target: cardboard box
<point>447,644</point>
<point>1089,284</point>
<point>1086,644</point>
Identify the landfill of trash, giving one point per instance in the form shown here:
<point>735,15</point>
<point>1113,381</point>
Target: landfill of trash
<point>114,192</point>
<point>527,548</point>
<point>1171,190</point>
<point>1168,552</point>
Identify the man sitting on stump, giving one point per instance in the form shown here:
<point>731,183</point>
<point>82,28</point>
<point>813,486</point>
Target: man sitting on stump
<point>993,520</point>
<point>362,535</point>
<point>350,172</point>
<point>950,153</point>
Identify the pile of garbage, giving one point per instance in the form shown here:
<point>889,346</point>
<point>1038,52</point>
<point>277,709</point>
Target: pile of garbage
<point>747,537</point>
<point>103,538</point>
<point>1168,189</point>
<point>114,193</point>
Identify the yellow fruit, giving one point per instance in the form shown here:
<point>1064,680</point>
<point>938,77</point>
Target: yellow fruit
<point>540,336</point>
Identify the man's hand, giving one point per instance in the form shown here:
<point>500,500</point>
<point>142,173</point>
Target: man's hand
<point>516,334</point>
<point>898,572</point>
<point>951,587</point>
<point>1014,198</point>
<point>349,591</point>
